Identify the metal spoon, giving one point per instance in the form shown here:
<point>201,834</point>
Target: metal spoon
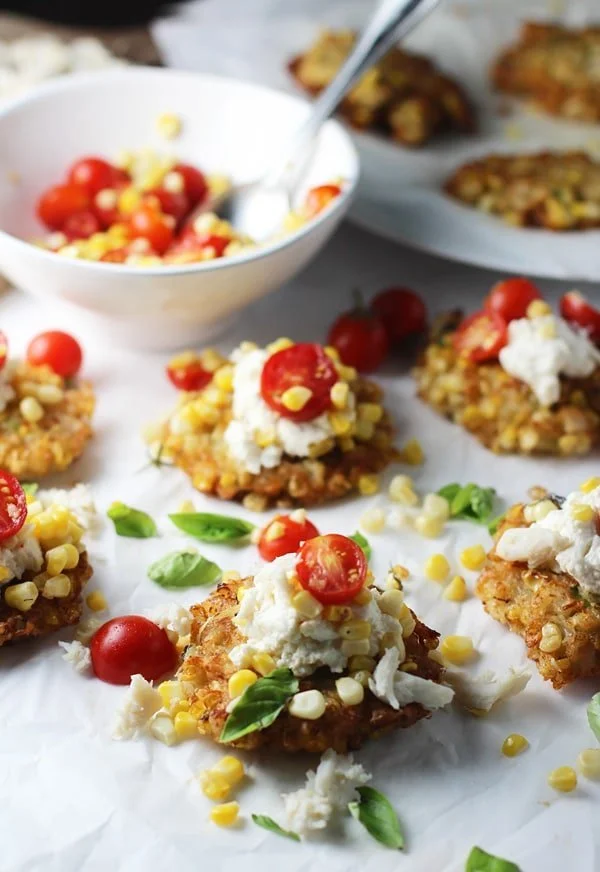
<point>258,208</point>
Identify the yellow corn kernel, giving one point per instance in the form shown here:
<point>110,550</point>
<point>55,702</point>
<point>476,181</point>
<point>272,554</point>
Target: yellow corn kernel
<point>336,614</point>
<point>368,484</point>
<point>332,353</point>
<point>391,602</point>
<point>355,647</point>
<point>563,779</point>
<point>210,358</point>
<point>436,506</point>
<point>364,430</point>
<point>186,507</point>
<point>339,395</point>
<point>428,526</point>
<point>223,378</point>
<point>186,726</point>
<point>264,438</point>
<point>129,199</point>
<point>589,763</point>
<point>161,728</point>
<point>306,605</point>
<point>214,785</point>
<point>241,593</point>
<point>407,621</point>
<point>393,639</point>
<point>473,557</point>
<point>21,596</point>
<point>279,345</point>
<point>413,453</point>
<point>350,691</point>
<point>457,649</point>
<point>548,330</point>
<point>590,484</point>
<point>551,639</point>
<point>347,444</point>
<point>321,448</point>
<point>275,530</point>
<point>372,521</point>
<point>171,692</point>
<point>50,395</point>
<point>514,744</point>
<point>31,410</point>
<point>538,308</point>
<point>56,560</point>
<point>226,814</point>
<point>401,490</point>
<point>355,629</point>
<point>263,664</point>
<point>342,425</point>
<point>231,769</point>
<point>361,662</point>
<point>74,532</point>
<point>539,510</point>
<point>296,398</point>
<point>456,591</point>
<point>347,373</point>
<point>4,573</point>
<point>240,681</point>
<point>363,597</point>
<point>308,704</point>
<point>372,412</point>
<point>362,676</point>
<point>580,512</point>
<point>59,586</point>
<point>437,568</point>
<point>169,125</point>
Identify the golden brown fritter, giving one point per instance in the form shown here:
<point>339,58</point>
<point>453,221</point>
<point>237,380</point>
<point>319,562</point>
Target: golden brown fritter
<point>526,599</point>
<point>46,615</point>
<point>206,670</point>
<point>557,191</point>
<point>403,95</point>
<point>556,68</point>
<point>501,411</point>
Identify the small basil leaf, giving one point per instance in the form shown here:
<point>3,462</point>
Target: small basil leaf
<point>363,543</point>
<point>449,491</point>
<point>267,823</point>
<point>462,501</point>
<point>480,861</point>
<point>593,713</point>
<point>131,522</point>
<point>260,704</point>
<point>30,488</point>
<point>470,502</point>
<point>482,502</point>
<point>212,528</point>
<point>182,569</point>
<point>376,813</point>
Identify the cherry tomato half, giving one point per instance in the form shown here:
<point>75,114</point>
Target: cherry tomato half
<point>284,535</point>
<point>402,312</point>
<point>481,336</point>
<point>170,202</point>
<point>360,339</point>
<point>304,364</point>
<point>149,223</point>
<point>510,298</point>
<point>92,174</point>
<point>131,645</point>
<point>188,374</point>
<point>81,225</point>
<point>3,349</point>
<point>13,505</point>
<point>320,197</point>
<point>332,568</point>
<point>59,202</point>
<point>576,309</point>
<point>194,183</point>
<point>58,350</point>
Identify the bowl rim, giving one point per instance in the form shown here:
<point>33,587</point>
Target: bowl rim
<point>81,80</point>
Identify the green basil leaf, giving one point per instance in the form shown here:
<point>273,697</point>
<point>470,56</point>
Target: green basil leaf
<point>260,704</point>
<point>267,823</point>
<point>449,491</point>
<point>470,501</point>
<point>363,543</point>
<point>212,528</point>
<point>131,522</point>
<point>461,503</point>
<point>376,813</point>
<point>30,488</point>
<point>480,861</point>
<point>593,713</point>
<point>482,502</point>
<point>181,569</point>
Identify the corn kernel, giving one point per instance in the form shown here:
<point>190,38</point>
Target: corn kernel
<point>514,744</point>
<point>21,596</point>
<point>361,662</point>
<point>223,378</point>
<point>342,425</point>
<point>539,510</point>
<point>589,763</point>
<point>161,728</point>
<point>226,814</point>
<point>563,779</point>
<point>364,430</point>
<point>408,622</point>
<point>401,490</point>
<point>171,692</point>
<point>456,591</point>
<point>437,568</point>
<point>368,484</point>
<point>337,613</point>
<point>347,373</point>
<point>551,639</point>
<point>473,557</point>
<point>50,395</point>
<point>168,125</point>
<point>436,506</point>
<point>393,639</point>
<point>129,199</point>
<point>363,597</point>
<point>548,330</point>
<point>373,520</point>
<point>350,691</point>
<point>264,438</point>
<point>590,484</point>
<point>56,560</point>
<point>296,398</point>
<point>582,513</point>
<point>214,785</point>
<point>538,308</point>
<point>372,412</point>
<point>231,769</point>
<point>186,726</point>
<point>332,353</point>
<point>308,704</point>
<point>31,410</point>
<point>275,530</point>
<point>306,605</point>
<point>362,676</point>
<point>263,663</point>
<point>339,395</point>
<point>355,629</point>
<point>457,649</point>
<point>240,681</point>
<point>353,647</point>
<point>4,573</point>
<point>279,345</point>
<point>391,602</point>
<point>413,453</point>
<point>429,526</point>
<point>186,507</point>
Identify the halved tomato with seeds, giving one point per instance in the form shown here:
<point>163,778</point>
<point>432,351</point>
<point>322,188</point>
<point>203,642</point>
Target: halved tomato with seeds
<point>320,197</point>
<point>3,349</point>
<point>481,336</point>
<point>332,568</point>
<point>284,535</point>
<point>186,372</point>
<point>577,309</point>
<point>13,505</point>
<point>303,365</point>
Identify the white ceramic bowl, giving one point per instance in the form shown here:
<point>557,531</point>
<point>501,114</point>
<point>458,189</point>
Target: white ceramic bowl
<point>228,126</point>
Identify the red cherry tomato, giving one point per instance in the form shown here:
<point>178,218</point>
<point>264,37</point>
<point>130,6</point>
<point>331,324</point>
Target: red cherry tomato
<point>360,339</point>
<point>211,240</point>
<point>332,568</point>
<point>481,336</point>
<point>320,197</point>
<point>3,349</point>
<point>284,535</point>
<point>131,645</point>
<point>510,298</point>
<point>188,374</point>
<point>169,202</point>
<point>59,202</point>
<point>120,178</point>
<point>304,364</point>
<point>60,351</point>
<point>194,183</point>
<point>402,312</point>
<point>81,225</point>
<point>91,173</point>
<point>149,223</point>
<point>576,309</point>
<point>13,505</point>
<point>117,255</point>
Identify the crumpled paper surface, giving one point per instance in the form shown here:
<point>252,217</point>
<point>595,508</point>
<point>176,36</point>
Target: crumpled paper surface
<point>75,800</point>
<point>399,195</point>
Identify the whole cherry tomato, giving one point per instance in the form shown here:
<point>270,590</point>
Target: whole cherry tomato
<point>59,203</point>
<point>194,183</point>
<point>284,535</point>
<point>148,223</point>
<point>92,174</point>
<point>510,298</point>
<point>81,225</point>
<point>576,309</point>
<point>186,373</point>
<point>131,645</point>
<point>332,568</point>
<point>320,197</point>
<point>3,349</point>
<point>360,338</point>
<point>58,350</point>
<point>481,336</point>
<point>401,311</point>
<point>302,365</point>
<point>13,505</point>
<point>169,202</point>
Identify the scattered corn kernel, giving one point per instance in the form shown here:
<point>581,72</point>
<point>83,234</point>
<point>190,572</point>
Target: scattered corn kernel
<point>413,453</point>
<point>538,308</point>
<point>514,744</point>
<point>50,395</point>
<point>226,814</point>
<point>279,345</point>
<point>352,647</point>
<point>589,763</point>
<point>186,726</point>
<point>437,567</point>
<point>364,430</point>
<point>473,557</point>
<point>306,605</point>
<point>161,728</point>
<point>539,510</point>
<point>171,692</point>
<point>296,398</point>
<point>341,424</point>
<point>407,619</point>
<point>231,769</point>
<point>590,484</point>
<point>168,125</point>
<point>355,629</point>
<point>457,649</point>
<point>337,613</point>
<point>372,412</point>
<point>401,490</point>
<point>429,526</point>
<point>56,560</point>
<point>58,586</point>
<point>563,779</point>
<point>241,681</point>
<point>308,704</point>
<point>263,663</point>
<point>373,521</point>
<point>214,785</point>
<point>551,639</point>
<point>21,596</point>
<point>339,394</point>
<point>391,602</point>
<point>456,591</point>
<point>275,530</point>
<point>361,662</point>
<point>582,512</point>
<point>31,409</point>
<point>362,676</point>
<point>436,506</point>
<point>223,378</point>
<point>350,691</point>
<point>363,597</point>
<point>368,484</point>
